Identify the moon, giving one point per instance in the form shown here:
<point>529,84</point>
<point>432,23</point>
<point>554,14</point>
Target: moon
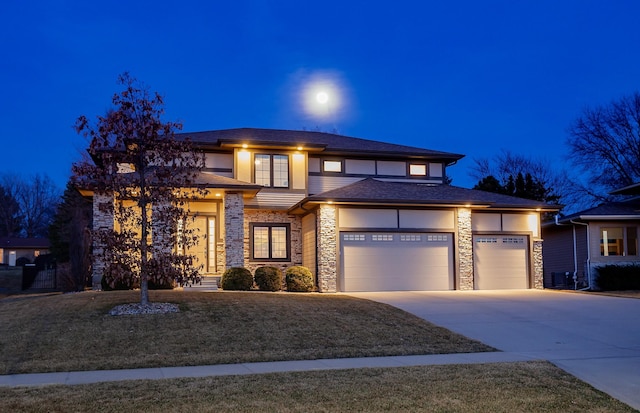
<point>322,97</point>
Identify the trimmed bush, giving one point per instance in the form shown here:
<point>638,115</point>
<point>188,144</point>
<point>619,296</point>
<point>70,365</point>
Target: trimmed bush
<point>299,279</point>
<point>618,277</point>
<point>268,278</point>
<point>236,278</point>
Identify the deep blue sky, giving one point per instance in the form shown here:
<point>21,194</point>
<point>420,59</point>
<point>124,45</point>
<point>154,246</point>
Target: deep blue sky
<point>471,77</point>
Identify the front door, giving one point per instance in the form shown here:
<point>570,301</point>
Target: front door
<point>205,249</point>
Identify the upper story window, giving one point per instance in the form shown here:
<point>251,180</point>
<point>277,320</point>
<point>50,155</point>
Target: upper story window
<point>417,169</point>
<point>332,166</point>
<point>272,170</point>
<point>618,241</point>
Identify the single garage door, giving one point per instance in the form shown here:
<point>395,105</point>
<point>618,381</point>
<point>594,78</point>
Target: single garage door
<point>500,262</point>
<point>383,261</point>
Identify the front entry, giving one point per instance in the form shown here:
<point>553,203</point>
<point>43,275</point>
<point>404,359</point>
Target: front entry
<point>205,250</point>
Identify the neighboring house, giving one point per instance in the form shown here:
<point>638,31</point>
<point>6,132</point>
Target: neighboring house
<point>12,249</point>
<point>576,245</point>
<point>362,215</point>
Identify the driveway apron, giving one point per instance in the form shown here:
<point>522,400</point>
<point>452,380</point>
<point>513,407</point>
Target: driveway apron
<point>593,337</point>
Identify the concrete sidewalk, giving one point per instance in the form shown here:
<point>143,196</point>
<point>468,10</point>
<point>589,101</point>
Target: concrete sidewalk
<point>97,376</point>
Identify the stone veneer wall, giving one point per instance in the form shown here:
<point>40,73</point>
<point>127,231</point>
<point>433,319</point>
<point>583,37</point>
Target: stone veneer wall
<point>103,214</point>
<point>465,249</point>
<point>327,249</point>
<point>538,270</point>
<point>234,230</point>
<point>266,216</point>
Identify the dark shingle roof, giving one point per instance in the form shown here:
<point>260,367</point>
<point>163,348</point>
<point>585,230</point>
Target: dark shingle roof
<point>14,242</point>
<point>329,143</point>
<point>609,209</point>
<point>372,190</point>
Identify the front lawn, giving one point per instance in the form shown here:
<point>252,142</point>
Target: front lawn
<point>507,387</point>
<point>65,332</point>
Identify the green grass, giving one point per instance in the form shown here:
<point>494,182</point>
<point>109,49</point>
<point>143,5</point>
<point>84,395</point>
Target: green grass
<point>509,387</point>
<point>66,332</point>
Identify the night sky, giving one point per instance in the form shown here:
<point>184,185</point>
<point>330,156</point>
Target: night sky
<point>470,77</point>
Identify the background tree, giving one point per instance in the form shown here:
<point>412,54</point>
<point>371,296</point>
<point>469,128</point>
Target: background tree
<point>70,238</point>
<point>10,218</point>
<point>137,158</point>
<point>604,144</point>
<point>36,197</point>
<point>520,176</point>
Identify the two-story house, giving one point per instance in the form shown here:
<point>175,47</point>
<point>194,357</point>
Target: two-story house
<point>362,215</point>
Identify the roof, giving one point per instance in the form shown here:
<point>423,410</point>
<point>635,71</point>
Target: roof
<point>375,191</point>
<point>627,210</point>
<point>205,179</point>
<point>327,143</point>
<point>633,189</point>
<point>14,242</point>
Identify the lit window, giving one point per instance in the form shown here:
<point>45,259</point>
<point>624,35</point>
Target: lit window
<point>270,242</point>
<point>332,166</point>
<point>272,170</point>
<point>417,169</point>
<point>618,241</point>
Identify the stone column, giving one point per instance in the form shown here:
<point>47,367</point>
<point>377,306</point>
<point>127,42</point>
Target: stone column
<point>327,249</point>
<point>103,215</point>
<point>465,249</point>
<point>234,230</point>
<point>538,271</point>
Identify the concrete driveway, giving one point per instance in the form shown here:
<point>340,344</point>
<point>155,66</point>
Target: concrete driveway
<point>595,338</point>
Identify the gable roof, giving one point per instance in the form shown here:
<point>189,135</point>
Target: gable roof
<point>15,242</point>
<point>626,210</point>
<point>373,191</point>
<point>327,143</point>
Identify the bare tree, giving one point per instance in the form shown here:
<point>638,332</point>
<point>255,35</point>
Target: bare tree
<point>507,166</point>
<point>605,144</point>
<point>37,198</point>
<point>139,161</point>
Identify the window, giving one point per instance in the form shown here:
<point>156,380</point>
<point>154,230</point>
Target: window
<point>272,170</point>
<point>270,242</point>
<point>618,241</point>
<point>417,169</point>
<point>332,166</point>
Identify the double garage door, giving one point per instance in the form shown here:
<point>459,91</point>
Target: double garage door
<point>392,261</point>
<point>381,261</point>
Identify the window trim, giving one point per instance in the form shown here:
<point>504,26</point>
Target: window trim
<point>339,162</point>
<point>271,170</point>
<point>270,226</point>
<point>625,240</point>
<point>423,164</point>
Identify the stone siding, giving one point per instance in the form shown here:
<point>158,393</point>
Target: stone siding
<point>234,230</point>
<point>465,249</point>
<point>538,270</point>
<point>266,216</point>
<point>103,214</point>
<point>327,249</point>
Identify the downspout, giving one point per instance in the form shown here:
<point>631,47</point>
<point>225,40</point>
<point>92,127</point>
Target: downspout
<point>575,252</point>
<point>589,283</point>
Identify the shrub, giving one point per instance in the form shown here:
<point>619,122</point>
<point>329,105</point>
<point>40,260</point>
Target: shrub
<point>118,276</point>
<point>268,278</point>
<point>236,278</point>
<point>299,279</point>
<point>618,277</point>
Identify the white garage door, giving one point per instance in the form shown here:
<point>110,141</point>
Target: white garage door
<point>383,261</point>
<point>500,262</point>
